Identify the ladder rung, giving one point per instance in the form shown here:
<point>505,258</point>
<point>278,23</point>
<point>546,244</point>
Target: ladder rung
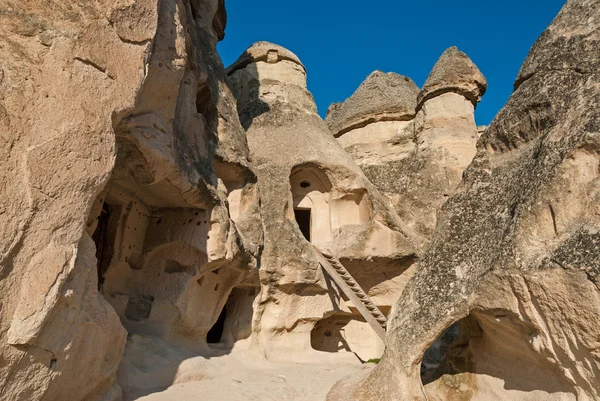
<point>355,293</point>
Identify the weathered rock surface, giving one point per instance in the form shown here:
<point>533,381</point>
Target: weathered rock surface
<point>308,184</point>
<point>159,212</point>
<point>514,258</point>
<point>120,147</point>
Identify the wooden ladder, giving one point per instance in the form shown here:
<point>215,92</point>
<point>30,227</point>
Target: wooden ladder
<point>355,294</point>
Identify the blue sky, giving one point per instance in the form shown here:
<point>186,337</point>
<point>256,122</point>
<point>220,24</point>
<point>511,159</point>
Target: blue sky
<point>342,41</point>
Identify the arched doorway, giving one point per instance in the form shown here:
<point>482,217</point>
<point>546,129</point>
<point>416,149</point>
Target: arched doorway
<point>311,198</point>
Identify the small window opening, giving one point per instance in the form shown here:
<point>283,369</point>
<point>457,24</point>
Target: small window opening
<point>216,332</point>
<point>305,184</point>
<point>203,100</point>
<point>303,219</point>
<point>172,266</point>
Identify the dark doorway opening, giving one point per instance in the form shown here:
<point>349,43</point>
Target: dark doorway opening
<point>216,332</point>
<point>101,240</point>
<point>303,219</point>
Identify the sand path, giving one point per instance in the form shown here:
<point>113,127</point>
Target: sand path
<point>262,381</point>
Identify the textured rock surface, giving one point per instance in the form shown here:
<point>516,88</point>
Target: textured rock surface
<point>454,72</point>
<point>113,116</point>
<point>381,97</point>
<point>514,258</point>
<point>159,212</point>
<point>301,168</point>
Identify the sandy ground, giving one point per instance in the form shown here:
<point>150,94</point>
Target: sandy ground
<point>156,372</point>
<point>264,382</point>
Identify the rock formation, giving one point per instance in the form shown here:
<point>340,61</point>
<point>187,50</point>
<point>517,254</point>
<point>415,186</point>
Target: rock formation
<point>121,145</point>
<point>514,257</point>
<point>311,192</point>
<point>413,145</point>
<point>163,217</point>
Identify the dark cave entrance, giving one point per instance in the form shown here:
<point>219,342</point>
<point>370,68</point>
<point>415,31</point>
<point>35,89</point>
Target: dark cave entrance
<point>303,219</point>
<point>216,332</point>
<point>104,240</point>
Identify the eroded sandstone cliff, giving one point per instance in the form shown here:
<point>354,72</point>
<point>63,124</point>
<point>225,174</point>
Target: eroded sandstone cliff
<point>121,146</point>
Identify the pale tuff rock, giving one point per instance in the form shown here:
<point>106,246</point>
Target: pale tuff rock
<point>514,258</point>
<point>308,183</point>
<point>454,72</point>
<point>160,215</point>
<point>416,159</point>
<point>481,129</point>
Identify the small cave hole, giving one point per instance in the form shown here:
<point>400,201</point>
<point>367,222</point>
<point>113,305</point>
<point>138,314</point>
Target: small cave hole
<point>450,351</point>
<point>172,266</point>
<point>203,99</point>
<point>104,239</point>
<point>437,352</point>
<point>304,184</point>
<point>327,335</point>
<point>216,332</point>
<point>139,307</point>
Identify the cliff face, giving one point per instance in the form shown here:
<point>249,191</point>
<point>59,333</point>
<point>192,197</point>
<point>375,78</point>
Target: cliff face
<point>121,145</point>
<point>514,257</point>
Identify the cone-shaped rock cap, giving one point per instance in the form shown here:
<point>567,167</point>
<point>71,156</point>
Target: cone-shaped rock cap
<point>454,72</point>
<point>263,51</point>
<point>381,97</point>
